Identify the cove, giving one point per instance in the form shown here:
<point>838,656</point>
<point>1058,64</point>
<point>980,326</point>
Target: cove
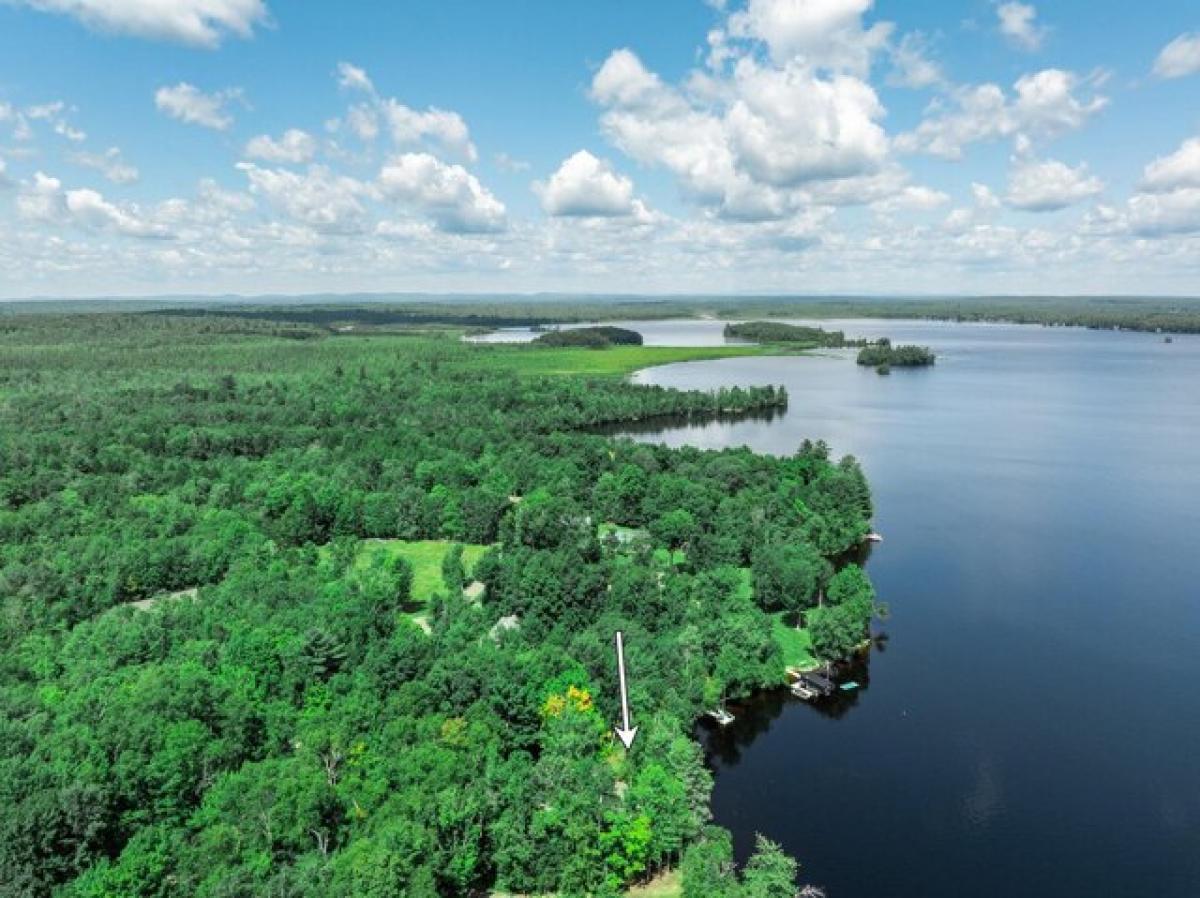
<point>1028,720</point>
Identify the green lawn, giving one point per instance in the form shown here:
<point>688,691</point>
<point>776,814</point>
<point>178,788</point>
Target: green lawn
<point>425,556</point>
<point>616,361</point>
<point>796,644</point>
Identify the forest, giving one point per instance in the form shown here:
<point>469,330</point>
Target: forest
<point>406,311</point>
<point>291,612</point>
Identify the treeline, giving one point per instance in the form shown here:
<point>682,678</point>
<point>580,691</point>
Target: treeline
<point>291,728</point>
<point>781,332</point>
<point>590,337</point>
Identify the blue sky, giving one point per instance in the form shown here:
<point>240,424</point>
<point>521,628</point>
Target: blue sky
<point>791,146</point>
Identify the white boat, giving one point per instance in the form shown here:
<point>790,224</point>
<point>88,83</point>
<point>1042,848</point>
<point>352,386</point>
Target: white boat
<point>874,537</point>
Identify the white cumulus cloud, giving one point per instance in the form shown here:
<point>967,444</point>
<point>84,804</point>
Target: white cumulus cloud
<point>46,201</point>
<point>189,104</point>
<point>319,197</point>
<point>449,194</point>
<point>1180,169</point>
<point>745,143</point>
<point>1180,57</point>
<point>586,186</point>
<point>819,33</point>
<point>201,23</point>
<point>1049,185</point>
<point>294,146</point>
<point>1044,104</point>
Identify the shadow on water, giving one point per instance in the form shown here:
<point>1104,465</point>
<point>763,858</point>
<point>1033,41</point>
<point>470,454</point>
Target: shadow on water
<point>754,715</point>
<point>660,424</point>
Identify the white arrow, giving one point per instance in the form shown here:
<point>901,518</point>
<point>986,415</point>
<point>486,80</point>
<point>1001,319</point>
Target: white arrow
<point>625,732</point>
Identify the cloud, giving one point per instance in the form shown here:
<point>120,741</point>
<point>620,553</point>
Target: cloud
<point>586,186</point>
<point>4,181</point>
<point>449,194</point>
<point>110,164</point>
<point>1179,170</point>
<point>91,209</point>
<point>1163,214</point>
<point>817,33</point>
<point>352,77</point>
<point>747,142</point>
<point>363,121</point>
<point>507,163</point>
<point>1050,185</point>
<point>1044,105</point>
<point>408,127</point>
<point>1168,197</point>
<point>201,23</point>
<point>193,106</point>
<point>294,146</point>
<point>47,202</point>
<point>1180,57</point>
<point>913,198</point>
<point>319,197</point>
<point>911,66</point>
<point>1018,23</point>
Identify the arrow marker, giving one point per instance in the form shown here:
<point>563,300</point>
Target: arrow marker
<point>625,732</point>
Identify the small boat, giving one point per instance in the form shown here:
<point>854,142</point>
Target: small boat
<point>848,686</point>
<point>722,717</point>
<point>801,691</point>
<point>873,537</point>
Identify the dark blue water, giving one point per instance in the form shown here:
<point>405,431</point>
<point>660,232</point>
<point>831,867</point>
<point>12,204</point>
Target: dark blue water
<point>1031,720</point>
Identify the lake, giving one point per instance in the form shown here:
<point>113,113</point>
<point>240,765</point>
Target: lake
<point>1029,722</point>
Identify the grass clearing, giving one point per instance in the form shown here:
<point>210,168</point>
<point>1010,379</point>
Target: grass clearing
<point>615,361</point>
<point>665,885</point>
<point>796,644</point>
<point>425,556</point>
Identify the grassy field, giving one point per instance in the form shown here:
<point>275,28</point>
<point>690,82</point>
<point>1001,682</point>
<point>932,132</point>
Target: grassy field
<point>616,361</point>
<point>668,885</point>
<point>425,556</point>
<point>796,644</point>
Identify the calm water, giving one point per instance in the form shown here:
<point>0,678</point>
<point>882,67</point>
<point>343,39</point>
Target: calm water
<point>1031,723</point>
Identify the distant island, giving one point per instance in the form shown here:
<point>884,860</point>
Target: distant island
<point>780,332</point>
<point>590,337</point>
<point>882,355</point>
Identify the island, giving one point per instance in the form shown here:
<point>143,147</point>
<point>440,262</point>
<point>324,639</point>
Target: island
<point>883,356</point>
<point>599,337</point>
<point>781,332</point>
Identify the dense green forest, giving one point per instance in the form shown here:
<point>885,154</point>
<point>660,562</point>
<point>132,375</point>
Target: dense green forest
<point>292,613</point>
<point>590,337</point>
<point>883,353</point>
<point>1168,314</point>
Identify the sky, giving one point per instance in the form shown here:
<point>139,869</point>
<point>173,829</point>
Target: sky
<point>155,147</point>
